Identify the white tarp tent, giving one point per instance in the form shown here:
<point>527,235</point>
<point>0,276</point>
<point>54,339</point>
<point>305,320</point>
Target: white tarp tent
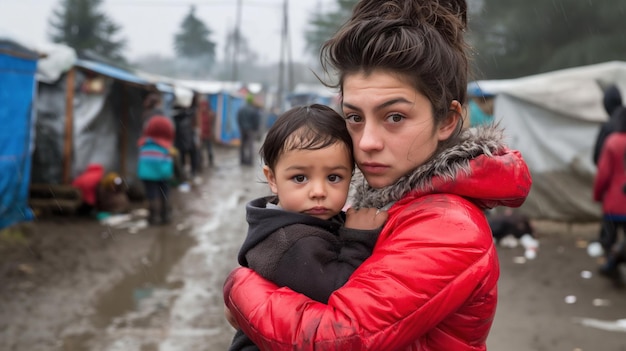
<point>553,119</point>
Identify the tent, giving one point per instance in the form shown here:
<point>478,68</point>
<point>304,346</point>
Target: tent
<point>18,65</point>
<point>225,100</point>
<point>88,112</point>
<point>553,119</point>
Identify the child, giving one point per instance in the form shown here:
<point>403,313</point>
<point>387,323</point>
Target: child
<point>156,166</point>
<point>300,238</point>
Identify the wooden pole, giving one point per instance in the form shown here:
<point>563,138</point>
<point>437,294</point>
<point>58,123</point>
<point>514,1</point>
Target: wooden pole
<point>123,131</point>
<point>70,81</point>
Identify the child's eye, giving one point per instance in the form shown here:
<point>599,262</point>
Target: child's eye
<point>333,178</point>
<point>299,179</point>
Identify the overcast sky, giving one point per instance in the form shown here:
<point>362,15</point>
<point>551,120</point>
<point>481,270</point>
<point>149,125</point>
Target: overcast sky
<point>150,25</point>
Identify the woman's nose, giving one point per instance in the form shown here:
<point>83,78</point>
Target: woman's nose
<point>370,138</point>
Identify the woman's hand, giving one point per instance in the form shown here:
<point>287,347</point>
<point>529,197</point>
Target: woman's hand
<point>365,218</point>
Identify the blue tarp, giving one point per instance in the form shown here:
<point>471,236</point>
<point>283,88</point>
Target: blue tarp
<point>226,106</point>
<point>111,71</point>
<point>17,92</point>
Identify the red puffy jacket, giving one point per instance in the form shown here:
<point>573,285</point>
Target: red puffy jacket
<point>431,282</point>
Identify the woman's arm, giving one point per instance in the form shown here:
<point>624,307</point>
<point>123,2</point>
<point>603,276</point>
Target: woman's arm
<point>425,266</point>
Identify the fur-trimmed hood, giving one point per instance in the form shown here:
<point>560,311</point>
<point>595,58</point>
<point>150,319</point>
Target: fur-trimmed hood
<point>480,167</point>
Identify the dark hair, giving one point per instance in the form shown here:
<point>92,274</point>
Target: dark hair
<point>309,127</point>
<point>421,41</point>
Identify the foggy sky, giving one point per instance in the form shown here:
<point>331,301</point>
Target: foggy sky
<point>150,25</point>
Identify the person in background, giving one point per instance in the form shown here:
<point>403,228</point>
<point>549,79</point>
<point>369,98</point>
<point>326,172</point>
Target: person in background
<point>185,140</point>
<point>480,106</point>
<point>152,106</point>
<point>612,101</point>
<point>156,166</point>
<point>249,121</point>
<point>207,121</point>
<point>87,182</point>
<point>432,278</point>
<point>300,237</point>
<point>608,188</point>
<point>112,196</point>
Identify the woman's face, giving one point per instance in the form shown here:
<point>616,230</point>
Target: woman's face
<point>391,125</point>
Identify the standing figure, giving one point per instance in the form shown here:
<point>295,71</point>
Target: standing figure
<point>300,237</point>
<point>185,140</point>
<point>249,120</point>
<point>431,281</point>
<point>608,188</point>
<point>207,120</point>
<point>613,105</point>
<point>156,166</point>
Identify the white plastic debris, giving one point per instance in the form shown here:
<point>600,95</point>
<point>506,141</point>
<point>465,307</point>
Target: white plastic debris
<point>594,249</point>
<point>531,245</point>
<point>570,299</point>
<point>586,274</point>
<point>601,302</point>
<point>509,241</point>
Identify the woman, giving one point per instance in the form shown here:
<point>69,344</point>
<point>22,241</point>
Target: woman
<point>431,281</point>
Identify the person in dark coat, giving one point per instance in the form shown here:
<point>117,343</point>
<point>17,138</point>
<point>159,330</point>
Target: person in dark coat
<point>613,105</point>
<point>249,121</point>
<point>301,238</point>
<point>185,140</point>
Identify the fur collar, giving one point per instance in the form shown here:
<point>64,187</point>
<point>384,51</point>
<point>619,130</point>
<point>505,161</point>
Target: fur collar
<point>446,164</point>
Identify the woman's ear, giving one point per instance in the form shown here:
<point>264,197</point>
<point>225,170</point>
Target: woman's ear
<point>450,124</point>
<point>271,179</point>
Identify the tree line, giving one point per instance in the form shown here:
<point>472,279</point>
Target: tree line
<point>509,38</point>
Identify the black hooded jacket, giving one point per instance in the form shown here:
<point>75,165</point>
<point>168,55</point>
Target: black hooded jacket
<point>309,255</point>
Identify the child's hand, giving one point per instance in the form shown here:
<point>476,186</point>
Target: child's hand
<point>365,218</point>
<point>230,318</point>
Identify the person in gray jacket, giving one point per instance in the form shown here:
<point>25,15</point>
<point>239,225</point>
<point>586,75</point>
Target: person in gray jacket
<point>249,121</point>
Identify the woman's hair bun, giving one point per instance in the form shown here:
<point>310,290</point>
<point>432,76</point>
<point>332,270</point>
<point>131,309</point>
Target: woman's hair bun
<point>439,13</point>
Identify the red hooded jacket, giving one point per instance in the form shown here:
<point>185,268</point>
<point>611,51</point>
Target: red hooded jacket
<point>431,282</point>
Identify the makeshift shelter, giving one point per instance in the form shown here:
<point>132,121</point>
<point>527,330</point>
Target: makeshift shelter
<point>18,66</point>
<point>553,119</point>
<point>88,113</point>
<point>226,102</point>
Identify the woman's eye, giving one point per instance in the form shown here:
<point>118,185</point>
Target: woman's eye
<point>395,118</point>
<point>299,179</point>
<point>353,118</point>
<point>333,178</point>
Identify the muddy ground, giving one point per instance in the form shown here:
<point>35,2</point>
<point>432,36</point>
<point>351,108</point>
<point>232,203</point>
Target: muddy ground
<point>73,284</point>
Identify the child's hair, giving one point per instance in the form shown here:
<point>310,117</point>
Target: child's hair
<point>310,127</point>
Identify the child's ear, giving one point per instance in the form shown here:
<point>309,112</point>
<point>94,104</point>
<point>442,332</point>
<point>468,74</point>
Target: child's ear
<point>271,179</point>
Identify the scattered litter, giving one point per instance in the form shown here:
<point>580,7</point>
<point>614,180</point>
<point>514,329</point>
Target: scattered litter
<point>570,299</point>
<point>509,242</point>
<point>594,249</point>
<point>586,274</point>
<point>531,245</point>
<point>519,260</point>
<point>582,243</point>
<point>116,220</point>
<point>184,188</point>
<point>140,213</point>
<point>601,302</point>
<point>615,326</point>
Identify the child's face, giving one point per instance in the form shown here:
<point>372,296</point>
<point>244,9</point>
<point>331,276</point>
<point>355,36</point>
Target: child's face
<point>313,182</point>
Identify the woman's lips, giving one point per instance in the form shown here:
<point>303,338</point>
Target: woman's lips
<point>373,168</point>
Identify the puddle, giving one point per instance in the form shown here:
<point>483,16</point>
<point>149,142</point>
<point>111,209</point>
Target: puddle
<point>149,279</point>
